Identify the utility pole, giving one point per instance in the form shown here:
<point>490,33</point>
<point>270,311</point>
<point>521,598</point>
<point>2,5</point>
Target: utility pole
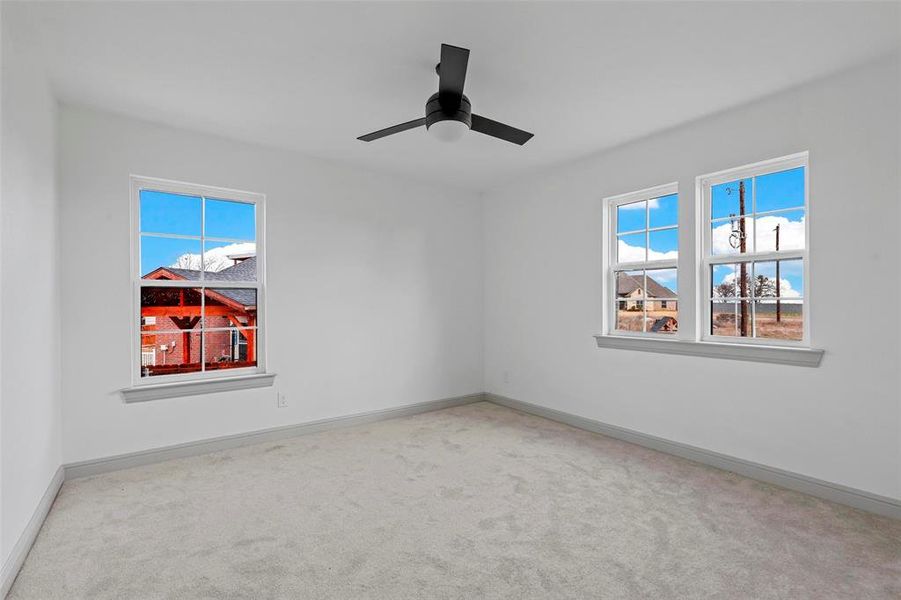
<point>743,278</point>
<point>778,282</point>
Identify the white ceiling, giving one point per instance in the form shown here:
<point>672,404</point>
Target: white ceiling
<point>313,76</point>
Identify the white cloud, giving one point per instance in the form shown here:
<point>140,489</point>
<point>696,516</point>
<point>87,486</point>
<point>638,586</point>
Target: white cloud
<point>791,234</point>
<point>663,276</point>
<point>215,259</point>
<point>785,286</point>
<point>627,253</point>
<point>652,204</point>
<point>786,290</point>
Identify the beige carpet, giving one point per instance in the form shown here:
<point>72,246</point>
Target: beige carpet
<point>472,502</point>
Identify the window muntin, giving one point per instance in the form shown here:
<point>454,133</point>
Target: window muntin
<point>198,281</point>
<point>754,258</point>
<point>642,290</point>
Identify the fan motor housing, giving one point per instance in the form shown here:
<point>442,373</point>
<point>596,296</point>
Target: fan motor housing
<point>445,108</point>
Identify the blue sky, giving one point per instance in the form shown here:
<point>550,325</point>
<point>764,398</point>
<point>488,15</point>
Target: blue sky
<point>662,212</point>
<point>165,213</point>
<point>657,212</point>
<point>775,191</point>
<point>782,191</point>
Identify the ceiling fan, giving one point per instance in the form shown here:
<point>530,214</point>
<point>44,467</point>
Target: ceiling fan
<point>448,113</point>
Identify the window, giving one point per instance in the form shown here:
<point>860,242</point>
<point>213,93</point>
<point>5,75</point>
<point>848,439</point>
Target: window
<point>198,281</point>
<point>754,258</point>
<point>751,267</point>
<point>642,283</point>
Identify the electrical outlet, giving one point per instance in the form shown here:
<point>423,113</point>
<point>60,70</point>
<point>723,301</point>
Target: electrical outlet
<point>282,400</point>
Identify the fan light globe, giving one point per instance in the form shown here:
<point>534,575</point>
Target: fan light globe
<point>449,130</point>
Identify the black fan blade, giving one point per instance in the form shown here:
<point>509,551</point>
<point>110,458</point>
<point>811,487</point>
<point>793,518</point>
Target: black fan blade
<point>392,130</point>
<point>499,130</point>
<point>452,70</point>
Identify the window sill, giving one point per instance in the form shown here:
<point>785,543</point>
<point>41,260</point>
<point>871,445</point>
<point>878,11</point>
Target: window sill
<point>143,393</point>
<point>784,355</point>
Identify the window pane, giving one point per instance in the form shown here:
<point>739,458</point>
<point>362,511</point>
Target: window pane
<point>784,189</point>
<point>169,353</point>
<point>631,217</point>
<point>157,252</point>
<point>779,279</point>
<point>786,228</point>
<point>663,244</point>
<point>664,211</point>
<point>630,300</point>
<point>663,316</point>
<point>630,315</point>
<point>164,308</point>
<point>162,212</point>
<point>631,247</point>
<point>730,318</point>
<point>726,236</point>
<point>629,284</point>
<point>230,348</point>
<point>230,262</point>
<point>229,219</point>
<point>779,319</point>
<point>730,281</point>
<point>661,283</point>
<point>231,307</point>
<point>661,300</point>
<point>791,278</point>
<point>725,199</point>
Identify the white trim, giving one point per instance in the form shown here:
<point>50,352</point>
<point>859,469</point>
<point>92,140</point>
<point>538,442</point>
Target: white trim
<point>826,490</point>
<point>23,545</point>
<point>650,193</point>
<point>833,492</point>
<point>705,260</point>
<point>118,462</point>
<point>648,265</point>
<point>196,283</point>
<point>192,189</point>
<point>87,468</point>
<point>238,379</point>
<point>768,256</point>
<point>138,183</point>
<point>755,352</point>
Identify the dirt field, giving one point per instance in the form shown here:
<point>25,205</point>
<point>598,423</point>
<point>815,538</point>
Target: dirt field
<point>790,327</point>
<point>629,320</point>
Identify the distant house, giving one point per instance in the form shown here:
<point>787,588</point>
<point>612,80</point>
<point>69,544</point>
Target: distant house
<point>170,321</point>
<point>630,291</point>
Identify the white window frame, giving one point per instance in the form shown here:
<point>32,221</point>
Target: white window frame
<point>706,260</point>
<point>611,265</point>
<point>139,183</point>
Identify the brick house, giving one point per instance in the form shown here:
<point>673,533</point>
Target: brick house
<point>171,321</point>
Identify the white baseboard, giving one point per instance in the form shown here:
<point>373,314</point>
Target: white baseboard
<point>834,492</point>
<point>146,457</point>
<point>16,558</point>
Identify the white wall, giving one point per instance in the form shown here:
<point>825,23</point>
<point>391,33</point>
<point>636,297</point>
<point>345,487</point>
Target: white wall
<point>30,414</point>
<point>374,286</point>
<point>840,422</point>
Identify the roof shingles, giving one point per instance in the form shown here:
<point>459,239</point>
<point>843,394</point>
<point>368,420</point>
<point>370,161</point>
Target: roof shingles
<point>626,284</point>
<point>245,270</point>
